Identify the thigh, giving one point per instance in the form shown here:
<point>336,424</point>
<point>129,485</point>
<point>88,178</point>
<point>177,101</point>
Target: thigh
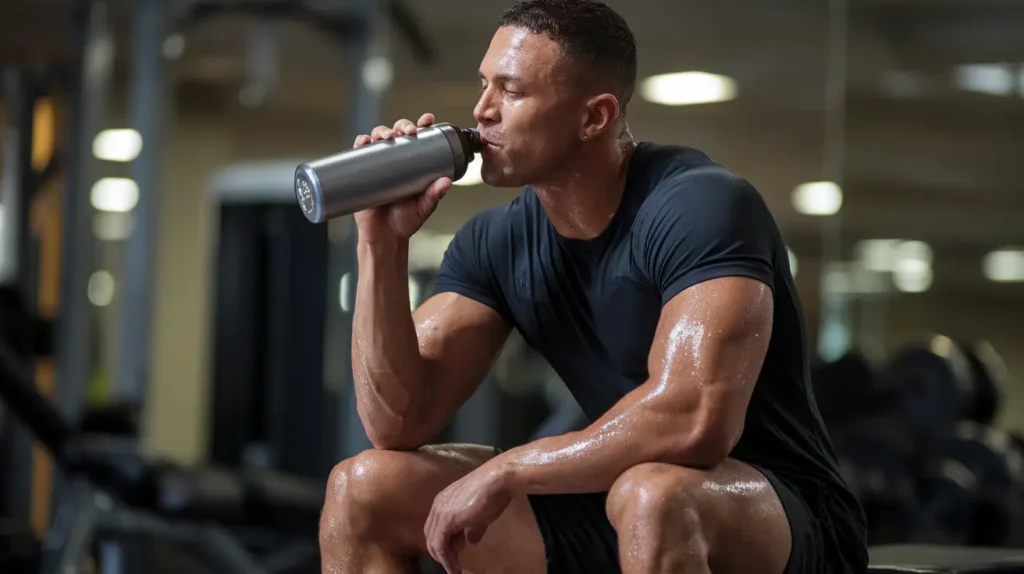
<point>739,514</point>
<point>750,530</point>
<point>408,483</point>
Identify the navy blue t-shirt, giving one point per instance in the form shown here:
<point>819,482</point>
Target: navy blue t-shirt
<point>590,307</point>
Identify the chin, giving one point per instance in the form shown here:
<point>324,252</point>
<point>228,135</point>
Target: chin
<point>500,179</point>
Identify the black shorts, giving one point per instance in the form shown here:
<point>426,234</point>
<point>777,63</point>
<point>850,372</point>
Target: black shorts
<point>579,539</point>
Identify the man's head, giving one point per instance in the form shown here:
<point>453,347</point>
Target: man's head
<point>558,73</point>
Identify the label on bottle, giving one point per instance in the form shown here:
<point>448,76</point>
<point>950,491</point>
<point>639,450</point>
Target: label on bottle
<point>305,195</point>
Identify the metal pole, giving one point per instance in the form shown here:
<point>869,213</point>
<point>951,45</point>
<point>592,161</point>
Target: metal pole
<point>15,187</point>
<point>147,106</point>
<point>834,335</point>
<point>16,191</point>
<point>88,102</point>
<point>371,42</point>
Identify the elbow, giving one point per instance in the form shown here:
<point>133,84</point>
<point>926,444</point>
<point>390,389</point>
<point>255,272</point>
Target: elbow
<point>398,431</point>
<point>708,447</point>
<point>392,437</point>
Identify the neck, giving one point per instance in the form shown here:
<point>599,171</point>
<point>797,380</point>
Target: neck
<point>582,198</point>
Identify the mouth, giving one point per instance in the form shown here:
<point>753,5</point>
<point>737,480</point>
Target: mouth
<point>489,143</point>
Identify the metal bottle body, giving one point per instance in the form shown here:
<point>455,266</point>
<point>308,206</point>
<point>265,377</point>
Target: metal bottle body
<point>382,172</point>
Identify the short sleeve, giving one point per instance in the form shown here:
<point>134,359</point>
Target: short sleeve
<point>467,267</point>
<point>701,225</point>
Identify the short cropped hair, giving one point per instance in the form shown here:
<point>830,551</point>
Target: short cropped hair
<point>589,33</point>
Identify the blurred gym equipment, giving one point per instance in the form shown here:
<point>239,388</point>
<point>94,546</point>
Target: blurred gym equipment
<point>844,388</point>
<point>270,297</point>
<point>932,386</point>
<point>915,443</point>
<point>115,493</point>
<point>922,559</point>
<point>877,457</point>
<point>89,466</point>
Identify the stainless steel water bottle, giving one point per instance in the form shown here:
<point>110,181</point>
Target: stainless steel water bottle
<point>384,171</point>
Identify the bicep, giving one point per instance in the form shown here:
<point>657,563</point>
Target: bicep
<point>459,339</point>
<point>708,350</point>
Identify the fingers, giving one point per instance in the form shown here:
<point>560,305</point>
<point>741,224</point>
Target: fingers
<point>401,127</point>
<point>439,532</point>
<point>427,202</point>
<point>444,549</point>
<point>453,544</point>
<point>382,133</point>
<point>405,127</point>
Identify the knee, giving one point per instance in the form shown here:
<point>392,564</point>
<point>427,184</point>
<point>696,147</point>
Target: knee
<point>654,498</point>
<point>353,495</point>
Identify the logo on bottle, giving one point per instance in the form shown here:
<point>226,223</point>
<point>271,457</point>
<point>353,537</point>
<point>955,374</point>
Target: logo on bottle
<point>305,195</point>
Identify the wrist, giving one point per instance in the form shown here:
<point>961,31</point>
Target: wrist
<point>504,474</point>
<point>389,249</point>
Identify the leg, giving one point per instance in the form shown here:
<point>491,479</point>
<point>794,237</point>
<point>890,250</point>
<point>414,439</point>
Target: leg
<point>377,503</point>
<point>727,520</point>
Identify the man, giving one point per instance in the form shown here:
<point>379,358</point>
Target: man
<point>655,282</point>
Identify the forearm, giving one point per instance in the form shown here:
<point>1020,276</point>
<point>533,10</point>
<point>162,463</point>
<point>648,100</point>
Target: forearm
<point>640,428</point>
<point>386,364</point>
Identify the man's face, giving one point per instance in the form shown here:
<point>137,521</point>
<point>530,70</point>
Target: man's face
<point>528,110</point>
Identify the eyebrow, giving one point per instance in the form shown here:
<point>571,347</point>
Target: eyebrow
<point>502,78</point>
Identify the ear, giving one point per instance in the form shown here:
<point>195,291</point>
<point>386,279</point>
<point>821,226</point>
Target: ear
<point>602,113</point>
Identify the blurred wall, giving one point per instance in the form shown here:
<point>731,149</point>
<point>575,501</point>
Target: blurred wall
<point>205,138</point>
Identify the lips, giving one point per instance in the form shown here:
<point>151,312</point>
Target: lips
<point>489,142</point>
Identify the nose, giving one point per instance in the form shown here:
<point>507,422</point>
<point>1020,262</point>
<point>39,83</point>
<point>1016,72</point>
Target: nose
<point>486,110</point>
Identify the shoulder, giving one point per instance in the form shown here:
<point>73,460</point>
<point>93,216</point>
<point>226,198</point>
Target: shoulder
<point>701,221</point>
<point>699,198</point>
<point>686,180</point>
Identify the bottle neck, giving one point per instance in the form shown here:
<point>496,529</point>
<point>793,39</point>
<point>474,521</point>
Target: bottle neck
<point>471,141</point>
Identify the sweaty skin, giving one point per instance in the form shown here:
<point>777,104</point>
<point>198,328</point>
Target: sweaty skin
<point>412,371</point>
<point>705,360</point>
<point>707,353</point>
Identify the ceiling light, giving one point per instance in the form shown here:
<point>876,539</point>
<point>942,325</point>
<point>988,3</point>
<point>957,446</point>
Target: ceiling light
<point>101,288</point>
<point>877,254</point>
<point>174,46</point>
<point>1004,266</point>
<point>687,88</point>
<point>115,194</point>
<point>913,280</point>
<point>117,145</point>
<point>912,257</point>
<point>818,198</point>
<point>472,176</point>
<point>378,72</point>
<point>107,226</point>
<point>990,79</point>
